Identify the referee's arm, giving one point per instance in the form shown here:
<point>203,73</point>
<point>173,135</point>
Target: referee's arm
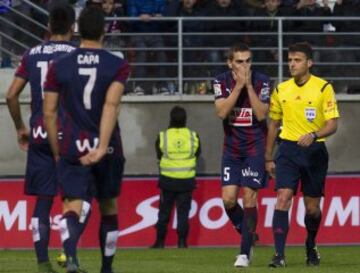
<point>329,128</point>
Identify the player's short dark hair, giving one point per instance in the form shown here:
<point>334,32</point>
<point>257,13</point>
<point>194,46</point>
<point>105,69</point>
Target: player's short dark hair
<point>61,19</point>
<point>177,117</point>
<point>91,23</point>
<point>238,47</point>
<point>303,47</point>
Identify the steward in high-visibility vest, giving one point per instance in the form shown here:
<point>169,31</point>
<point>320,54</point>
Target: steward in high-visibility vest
<point>177,149</point>
<point>178,146</point>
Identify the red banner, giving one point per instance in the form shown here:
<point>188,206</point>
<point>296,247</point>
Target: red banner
<point>209,225</point>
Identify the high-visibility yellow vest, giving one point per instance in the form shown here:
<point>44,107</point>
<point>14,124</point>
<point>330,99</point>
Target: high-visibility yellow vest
<point>178,147</point>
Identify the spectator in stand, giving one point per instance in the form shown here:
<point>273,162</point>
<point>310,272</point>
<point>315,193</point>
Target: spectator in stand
<point>289,3</point>
<point>186,8</point>
<point>272,9</point>
<point>7,30</point>
<point>146,10</point>
<point>347,8</point>
<point>113,42</point>
<point>97,3</point>
<point>205,3</point>
<point>253,6</point>
<point>222,8</point>
<point>5,57</point>
<point>310,8</point>
<point>39,17</point>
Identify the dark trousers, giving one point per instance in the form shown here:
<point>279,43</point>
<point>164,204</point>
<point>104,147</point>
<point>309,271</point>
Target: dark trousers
<point>183,205</point>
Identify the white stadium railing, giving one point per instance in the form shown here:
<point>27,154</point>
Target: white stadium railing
<point>338,61</point>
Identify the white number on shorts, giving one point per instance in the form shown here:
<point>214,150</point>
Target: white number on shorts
<point>89,87</point>
<point>226,173</point>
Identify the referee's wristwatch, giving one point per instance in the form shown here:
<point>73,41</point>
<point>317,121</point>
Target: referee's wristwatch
<point>314,136</point>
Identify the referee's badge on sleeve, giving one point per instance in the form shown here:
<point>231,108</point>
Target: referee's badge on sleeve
<point>265,92</point>
<point>310,113</point>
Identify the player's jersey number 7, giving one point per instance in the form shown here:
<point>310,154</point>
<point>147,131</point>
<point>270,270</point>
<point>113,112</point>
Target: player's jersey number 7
<point>89,87</point>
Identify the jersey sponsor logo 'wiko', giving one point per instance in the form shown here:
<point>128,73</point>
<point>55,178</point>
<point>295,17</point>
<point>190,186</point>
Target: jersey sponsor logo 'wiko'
<point>39,132</point>
<point>249,172</point>
<point>85,146</point>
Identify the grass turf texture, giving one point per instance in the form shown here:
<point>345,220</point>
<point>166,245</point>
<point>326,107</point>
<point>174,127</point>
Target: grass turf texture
<point>193,260</point>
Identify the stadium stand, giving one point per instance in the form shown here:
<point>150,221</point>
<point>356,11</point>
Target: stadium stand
<point>194,37</point>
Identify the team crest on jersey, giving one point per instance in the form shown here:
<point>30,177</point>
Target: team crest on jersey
<point>310,113</point>
<point>241,117</point>
<point>217,89</point>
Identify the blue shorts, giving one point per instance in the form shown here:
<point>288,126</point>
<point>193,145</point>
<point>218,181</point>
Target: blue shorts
<point>102,180</point>
<point>308,165</point>
<point>246,172</point>
<point>40,176</point>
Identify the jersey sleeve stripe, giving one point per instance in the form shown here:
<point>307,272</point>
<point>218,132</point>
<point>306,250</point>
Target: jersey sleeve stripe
<point>323,88</point>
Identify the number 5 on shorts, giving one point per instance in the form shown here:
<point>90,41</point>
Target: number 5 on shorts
<point>226,175</point>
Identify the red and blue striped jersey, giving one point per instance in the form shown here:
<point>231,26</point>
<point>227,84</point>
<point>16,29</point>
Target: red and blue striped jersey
<point>82,79</point>
<point>33,68</point>
<point>244,135</point>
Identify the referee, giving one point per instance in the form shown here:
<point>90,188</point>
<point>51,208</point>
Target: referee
<point>305,106</point>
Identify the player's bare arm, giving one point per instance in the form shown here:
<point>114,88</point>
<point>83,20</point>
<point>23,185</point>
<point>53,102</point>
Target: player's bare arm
<point>224,106</point>
<point>50,107</point>
<point>12,100</point>
<point>107,124</point>
<point>329,129</point>
<point>273,128</point>
<point>260,109</point>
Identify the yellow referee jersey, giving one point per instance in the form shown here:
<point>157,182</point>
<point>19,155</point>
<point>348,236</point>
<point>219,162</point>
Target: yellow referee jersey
<point>303,109</point>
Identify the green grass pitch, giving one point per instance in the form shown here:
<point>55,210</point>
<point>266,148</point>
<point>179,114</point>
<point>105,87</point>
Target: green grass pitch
<point>342,259</point>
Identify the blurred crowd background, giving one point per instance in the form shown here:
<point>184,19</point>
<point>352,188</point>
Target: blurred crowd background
<point>164,52</point>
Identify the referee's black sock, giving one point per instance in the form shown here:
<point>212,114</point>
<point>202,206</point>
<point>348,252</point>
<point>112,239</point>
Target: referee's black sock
<point>108,235</point>
<point>312,224</point>
<point>280,230</point>
<point>236,215</point>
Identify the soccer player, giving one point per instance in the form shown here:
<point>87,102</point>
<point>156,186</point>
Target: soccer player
<point>306,107</point>
<point>40,178</point>
<point>88,84</point>
<point>241,101</point>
